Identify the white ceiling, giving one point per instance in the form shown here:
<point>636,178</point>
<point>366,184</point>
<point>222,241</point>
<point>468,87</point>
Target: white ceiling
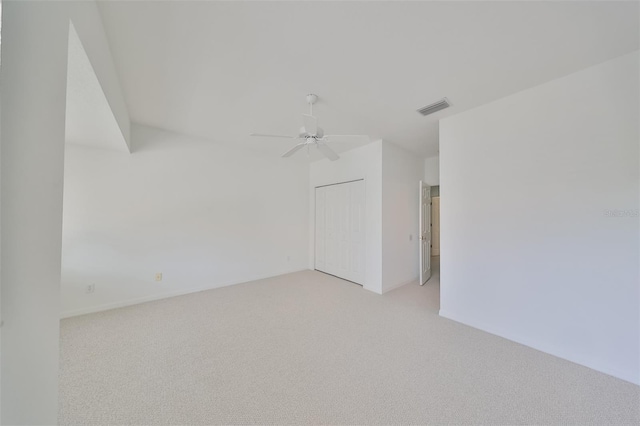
<point>89,120</point>
<point>222,70</point>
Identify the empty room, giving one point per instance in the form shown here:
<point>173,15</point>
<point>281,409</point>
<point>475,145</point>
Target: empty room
<point>319,212</point>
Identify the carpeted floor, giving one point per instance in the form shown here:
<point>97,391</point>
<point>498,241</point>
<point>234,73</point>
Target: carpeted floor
<point>310,348</point>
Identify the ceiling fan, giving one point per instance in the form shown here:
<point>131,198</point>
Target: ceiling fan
<point>312,135</point>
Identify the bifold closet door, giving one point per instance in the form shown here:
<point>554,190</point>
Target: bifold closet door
<point>340,237</point>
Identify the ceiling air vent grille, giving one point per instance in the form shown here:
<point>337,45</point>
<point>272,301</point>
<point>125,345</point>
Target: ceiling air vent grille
<point>434,107</point>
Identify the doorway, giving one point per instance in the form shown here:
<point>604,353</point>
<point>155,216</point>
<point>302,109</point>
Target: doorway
<point>435,226</point>
<point>435,231</point>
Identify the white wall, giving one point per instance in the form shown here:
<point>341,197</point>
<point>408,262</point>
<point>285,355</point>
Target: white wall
<point>432,170</point>
<point>361,163</point>
<point>204,214</point>
<point>33,86</point>
<point>540,260</point>
<point>401,174</point>
<point>391,177</point>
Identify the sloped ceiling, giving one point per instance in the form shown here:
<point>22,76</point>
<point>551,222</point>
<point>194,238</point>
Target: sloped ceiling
<point>222,70</point>
<point>89,118</point>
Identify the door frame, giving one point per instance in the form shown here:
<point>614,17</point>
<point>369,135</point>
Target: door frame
<point>433,228</point>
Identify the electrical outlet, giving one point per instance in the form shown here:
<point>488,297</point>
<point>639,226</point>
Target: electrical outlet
<point>158,276</point>
<point>410,237</point>
<point>288,258</point>
<point>90,288</point>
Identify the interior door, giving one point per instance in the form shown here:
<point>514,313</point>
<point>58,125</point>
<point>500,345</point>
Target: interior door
<point>425,232</point>
<point>331,232</point>
<point>342,231</point>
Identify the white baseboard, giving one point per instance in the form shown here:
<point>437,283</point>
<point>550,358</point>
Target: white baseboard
<point>547,348</point>
<point>398,285</point>
<point>138,300</point>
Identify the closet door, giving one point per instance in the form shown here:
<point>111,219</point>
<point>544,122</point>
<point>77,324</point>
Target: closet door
<point>331,231</point>
<point>340,238</point>
<point>342,230</point>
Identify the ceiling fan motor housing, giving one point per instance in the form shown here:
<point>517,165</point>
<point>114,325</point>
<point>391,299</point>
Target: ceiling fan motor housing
<point>303,133</point>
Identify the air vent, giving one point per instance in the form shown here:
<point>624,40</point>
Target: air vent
<point>434,107</point>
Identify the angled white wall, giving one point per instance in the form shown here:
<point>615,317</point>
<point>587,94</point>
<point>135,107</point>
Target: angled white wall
<point>204,214</point>
<point>89,119</point>
<point>549,256</point>
<point>34,76</point>
<point>87,21</point>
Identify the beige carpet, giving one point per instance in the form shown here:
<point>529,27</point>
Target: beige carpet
<point>310,348</point>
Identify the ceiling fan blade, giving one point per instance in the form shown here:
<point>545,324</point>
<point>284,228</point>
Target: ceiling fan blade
<point>347,138</point>
<point>310,124</point>
<point>328,152</point>
<point>272,136</point>
<point>293,150</point>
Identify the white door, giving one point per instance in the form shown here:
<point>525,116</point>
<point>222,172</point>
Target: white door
<point>339,245</point>
<point>425,233</point>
